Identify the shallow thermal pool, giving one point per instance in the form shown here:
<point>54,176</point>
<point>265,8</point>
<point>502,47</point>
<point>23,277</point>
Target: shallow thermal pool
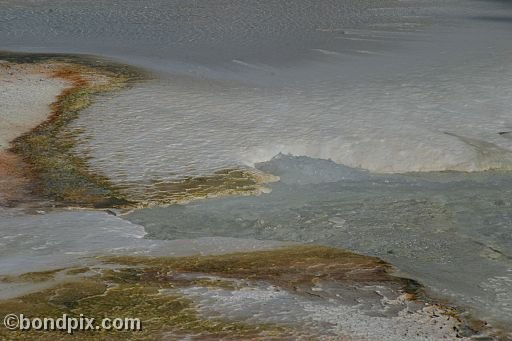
<point>388,123</point>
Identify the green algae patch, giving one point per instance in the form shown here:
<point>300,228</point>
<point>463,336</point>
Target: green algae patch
<point>34,277</point>
<point>57,173</point>
<point>151,289</point>
<point>129,293</point>
<point>294,268</point>
<point>160,313</point>
<point>77,271</point>
<point>221,183</point>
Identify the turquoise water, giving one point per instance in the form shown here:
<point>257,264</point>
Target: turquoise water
<point>450,231</point>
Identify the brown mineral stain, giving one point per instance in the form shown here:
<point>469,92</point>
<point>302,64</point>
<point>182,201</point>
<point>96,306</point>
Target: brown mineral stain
<point>56,172</point>
<point>13,181</point>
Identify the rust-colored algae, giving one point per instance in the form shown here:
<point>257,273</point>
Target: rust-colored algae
<point>55,171</point>
<point>58,173</point>
<point>13,178</point>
